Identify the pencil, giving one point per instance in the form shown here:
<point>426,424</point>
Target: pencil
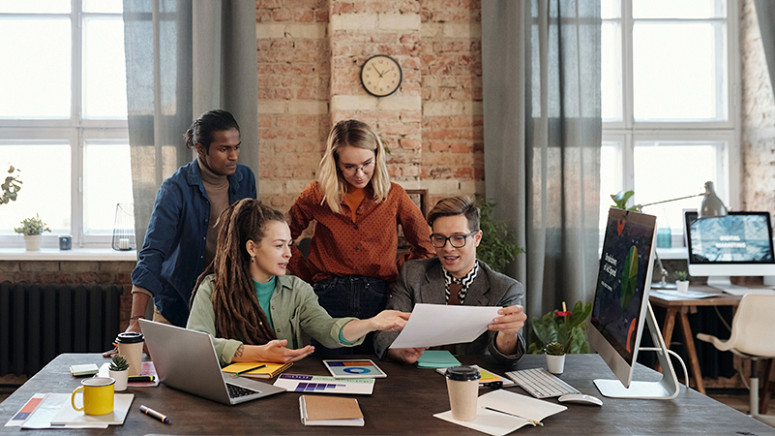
<point>533,422</point>
<point>248,370</point>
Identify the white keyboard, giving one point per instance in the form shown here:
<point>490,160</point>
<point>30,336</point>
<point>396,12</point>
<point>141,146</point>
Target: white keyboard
<point>742,290</point>
<point>540,383</point>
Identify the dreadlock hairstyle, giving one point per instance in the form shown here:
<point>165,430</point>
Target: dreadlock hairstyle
<point>237,312</point>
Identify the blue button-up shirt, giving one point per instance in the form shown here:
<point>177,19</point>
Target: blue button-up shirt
<point>173,252</point>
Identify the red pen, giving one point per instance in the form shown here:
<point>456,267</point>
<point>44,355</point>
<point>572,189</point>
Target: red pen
<point>150,412</point>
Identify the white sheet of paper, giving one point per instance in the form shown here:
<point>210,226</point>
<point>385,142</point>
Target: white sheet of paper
<point>432,325</point>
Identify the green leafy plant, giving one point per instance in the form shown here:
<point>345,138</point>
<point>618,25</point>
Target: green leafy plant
<point>11,186</point>
<point>565,328</point>
<point>499,243</point>
<point>119,363</point>
<point>682,276</point>
<point>621,198</point>
<point>32,226</point>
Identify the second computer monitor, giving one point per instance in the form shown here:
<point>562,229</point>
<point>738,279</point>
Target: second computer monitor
<point>738,244</point>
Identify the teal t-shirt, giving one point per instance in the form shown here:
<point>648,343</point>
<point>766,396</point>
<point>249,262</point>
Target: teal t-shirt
<point>264,293</point>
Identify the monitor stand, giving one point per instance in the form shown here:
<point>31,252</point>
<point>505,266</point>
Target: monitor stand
<point>665,389</point>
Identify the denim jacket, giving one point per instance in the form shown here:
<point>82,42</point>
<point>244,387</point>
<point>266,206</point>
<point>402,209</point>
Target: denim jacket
<point>295,311</point>
<point>173,252</point>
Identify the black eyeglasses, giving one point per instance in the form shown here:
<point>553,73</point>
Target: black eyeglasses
<point>457,241</point>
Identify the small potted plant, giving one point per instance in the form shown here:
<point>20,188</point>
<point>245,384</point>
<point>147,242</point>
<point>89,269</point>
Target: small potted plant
<point>682,281</point>
<point>558,333</point>
<point>119,371</point>
<point>32,229</point>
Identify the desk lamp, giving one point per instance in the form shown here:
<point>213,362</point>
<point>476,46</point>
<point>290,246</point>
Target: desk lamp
<point>711,207</point>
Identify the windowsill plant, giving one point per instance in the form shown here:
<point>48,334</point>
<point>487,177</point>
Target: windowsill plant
<point>32,229</point>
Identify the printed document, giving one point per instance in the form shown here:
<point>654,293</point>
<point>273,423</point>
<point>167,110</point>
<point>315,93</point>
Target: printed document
<point>432,325</point>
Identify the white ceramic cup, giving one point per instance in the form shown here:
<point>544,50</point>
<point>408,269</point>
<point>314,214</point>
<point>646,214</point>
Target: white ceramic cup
<point>463,389</point>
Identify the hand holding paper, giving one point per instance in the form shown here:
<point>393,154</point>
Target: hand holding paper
<point>432,325</point>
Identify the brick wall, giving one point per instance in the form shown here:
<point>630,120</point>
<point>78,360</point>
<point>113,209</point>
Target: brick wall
<point>309,57</point>
<point>758,117</point>
<point>90,272</point>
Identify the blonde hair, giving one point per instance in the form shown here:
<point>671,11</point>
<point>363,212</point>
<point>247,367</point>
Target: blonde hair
<point>355,134</point>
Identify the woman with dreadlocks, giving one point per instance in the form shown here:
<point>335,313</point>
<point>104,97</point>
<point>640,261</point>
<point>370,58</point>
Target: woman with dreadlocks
<point>253,311</point>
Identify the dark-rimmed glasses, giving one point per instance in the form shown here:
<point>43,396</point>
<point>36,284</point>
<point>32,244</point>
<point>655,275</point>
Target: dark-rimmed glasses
<point>457,241</point>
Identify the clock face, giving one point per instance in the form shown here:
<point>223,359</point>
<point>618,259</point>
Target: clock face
<point>381,75</point>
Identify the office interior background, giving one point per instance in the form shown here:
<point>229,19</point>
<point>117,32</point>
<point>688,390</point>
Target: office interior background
<point>308,56</point>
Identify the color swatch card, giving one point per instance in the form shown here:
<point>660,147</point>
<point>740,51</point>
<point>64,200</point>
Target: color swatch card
<point>357,368</point>
<point>324,385</point>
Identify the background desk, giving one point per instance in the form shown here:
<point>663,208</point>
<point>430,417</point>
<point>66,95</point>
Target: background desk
<point>403,403</point>
<point>682,308</point>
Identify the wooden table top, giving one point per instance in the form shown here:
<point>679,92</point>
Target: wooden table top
<point>721,299</point>
<point>403,403</point>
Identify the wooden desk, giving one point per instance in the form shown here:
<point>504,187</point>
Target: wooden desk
<point>403,403</point>
<point>682,308</point>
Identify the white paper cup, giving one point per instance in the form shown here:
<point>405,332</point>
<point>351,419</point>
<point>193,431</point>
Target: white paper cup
<point>130,345</point>
<point>463,389</point>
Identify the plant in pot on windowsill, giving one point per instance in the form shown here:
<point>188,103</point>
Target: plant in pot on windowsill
<point>32,229</point>
<point>119,371</point>
<point>558,333</point>
<point>682,281</point>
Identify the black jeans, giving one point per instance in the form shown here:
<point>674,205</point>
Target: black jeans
<point>356,296</point>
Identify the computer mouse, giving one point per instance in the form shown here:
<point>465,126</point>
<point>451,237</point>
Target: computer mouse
<point>585,399</point>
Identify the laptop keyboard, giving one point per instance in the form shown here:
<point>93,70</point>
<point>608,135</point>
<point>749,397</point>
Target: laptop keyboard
<point>238,391</point>
<point>541,383</point>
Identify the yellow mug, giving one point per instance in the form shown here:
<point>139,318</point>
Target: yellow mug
<point>97,395</point>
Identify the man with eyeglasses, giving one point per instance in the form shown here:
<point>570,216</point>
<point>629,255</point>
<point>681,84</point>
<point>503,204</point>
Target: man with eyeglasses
<point>455,276</point>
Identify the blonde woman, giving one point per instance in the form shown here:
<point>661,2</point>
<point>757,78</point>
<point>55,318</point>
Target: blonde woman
<point>353,254</point>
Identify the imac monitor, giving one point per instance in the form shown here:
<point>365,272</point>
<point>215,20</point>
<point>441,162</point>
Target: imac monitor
<point>621,308</point>
<point>738,244</point>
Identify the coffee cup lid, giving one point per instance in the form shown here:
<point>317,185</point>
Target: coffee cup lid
<point>129,338</point>
<point>463,373</point>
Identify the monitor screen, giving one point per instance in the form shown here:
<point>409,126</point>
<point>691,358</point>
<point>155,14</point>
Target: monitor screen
<point>739,244</point>
<point>622,289</point>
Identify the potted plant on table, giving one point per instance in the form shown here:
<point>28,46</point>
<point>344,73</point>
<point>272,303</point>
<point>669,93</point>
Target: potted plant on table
<point>558,333</point>
<point>119,371</point>
<point>682,281</point>
<point>32,229</point>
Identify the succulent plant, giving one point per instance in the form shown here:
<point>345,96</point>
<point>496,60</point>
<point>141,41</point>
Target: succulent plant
<point>682,276</point>
<point>119,363</point>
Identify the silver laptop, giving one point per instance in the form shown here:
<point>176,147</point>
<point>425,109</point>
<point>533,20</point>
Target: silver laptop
<point>186,360</point>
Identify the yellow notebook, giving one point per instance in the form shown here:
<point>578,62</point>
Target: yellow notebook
<point>269,370</point>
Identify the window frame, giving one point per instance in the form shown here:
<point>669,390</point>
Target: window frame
<point>628,131</point>
<point>75,129</point>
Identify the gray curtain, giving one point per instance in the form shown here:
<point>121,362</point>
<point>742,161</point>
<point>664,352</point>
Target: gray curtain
<point>184,58</point>
<point>542,139</point>
<point>765,15</point>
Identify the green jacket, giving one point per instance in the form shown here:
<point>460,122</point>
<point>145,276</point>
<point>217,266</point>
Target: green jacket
<point>295,312</point>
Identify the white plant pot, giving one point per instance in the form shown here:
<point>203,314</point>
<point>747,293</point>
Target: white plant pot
<point>555,364</point>
<point>682,286</point>
<point>32,242</point>
<point>121,378</point>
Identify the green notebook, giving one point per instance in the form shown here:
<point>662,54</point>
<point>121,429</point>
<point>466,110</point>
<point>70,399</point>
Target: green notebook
<point>437,359</point>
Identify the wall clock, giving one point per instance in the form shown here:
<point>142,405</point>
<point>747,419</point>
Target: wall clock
<point>381,75</point>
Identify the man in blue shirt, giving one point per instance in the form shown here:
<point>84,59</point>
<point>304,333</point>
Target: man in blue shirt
<point>182,232</point>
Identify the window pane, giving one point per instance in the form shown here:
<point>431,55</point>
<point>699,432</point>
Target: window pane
<point>45,172</point>
<point>40,6</point>
<point>104,6</point>
<point>107,180</point>
<point>610,9</point>
<point>678,9</point>
<point>679,72</point>
<point>611,179</point>
<point>611,73</point>
<point>104,78</point>
<point>667,170</point>
<point>38,84</point>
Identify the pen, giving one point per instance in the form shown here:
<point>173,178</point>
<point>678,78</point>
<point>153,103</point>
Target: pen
<point>248,370</point>
<point>531,421</point>
<point>150,412</point>
<point>140,378</point>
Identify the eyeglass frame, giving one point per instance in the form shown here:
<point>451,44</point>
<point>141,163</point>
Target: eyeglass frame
<point>354,170</point>
<point>449,239</point>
